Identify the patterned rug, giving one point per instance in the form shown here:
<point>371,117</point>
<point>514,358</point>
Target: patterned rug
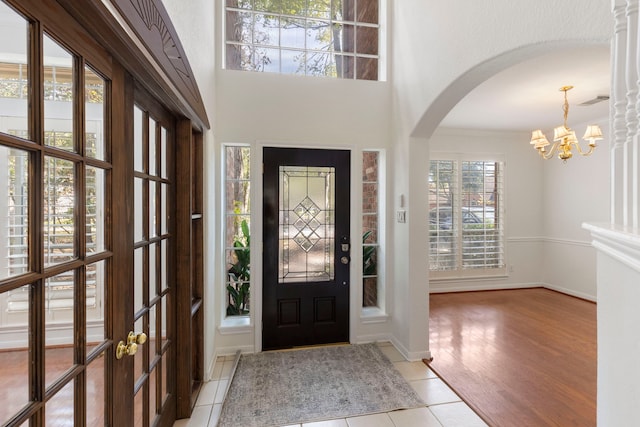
<point>292,387</point>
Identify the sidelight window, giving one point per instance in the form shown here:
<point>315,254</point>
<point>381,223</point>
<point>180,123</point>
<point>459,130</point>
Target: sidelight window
<point>370,230</point>
<point>237,229</point>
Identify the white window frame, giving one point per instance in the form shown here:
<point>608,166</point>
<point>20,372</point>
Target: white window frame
<point>469,273</point>
<point>243,319</point>
<point>376,314</point>
<point>380,27</point>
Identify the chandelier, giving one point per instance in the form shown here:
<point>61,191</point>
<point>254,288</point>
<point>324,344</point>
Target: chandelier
<point>564,139</point>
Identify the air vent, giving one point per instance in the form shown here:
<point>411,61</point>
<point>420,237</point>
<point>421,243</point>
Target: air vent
<point>595,100</point>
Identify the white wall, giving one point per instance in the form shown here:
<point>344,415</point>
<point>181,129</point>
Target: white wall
<point>575,192</point>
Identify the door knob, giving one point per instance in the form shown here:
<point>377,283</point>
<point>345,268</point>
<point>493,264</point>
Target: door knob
<point>131,346</point>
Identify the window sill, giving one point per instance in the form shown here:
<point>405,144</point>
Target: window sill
<point>370,315</point>
<point>233,325</point>
<point>497,275</point>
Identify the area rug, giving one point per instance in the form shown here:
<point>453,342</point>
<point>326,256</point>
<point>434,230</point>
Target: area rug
<point>291,387</point>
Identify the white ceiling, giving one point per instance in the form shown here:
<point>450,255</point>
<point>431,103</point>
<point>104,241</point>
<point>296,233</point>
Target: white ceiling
<point>527,96</point>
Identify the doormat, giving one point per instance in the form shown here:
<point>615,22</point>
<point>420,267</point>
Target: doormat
<point>291,387</point>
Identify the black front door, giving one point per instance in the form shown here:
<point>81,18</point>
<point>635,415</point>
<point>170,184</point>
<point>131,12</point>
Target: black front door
<point>306,251</point>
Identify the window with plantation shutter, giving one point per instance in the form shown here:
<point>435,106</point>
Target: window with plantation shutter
<point>466,217</point>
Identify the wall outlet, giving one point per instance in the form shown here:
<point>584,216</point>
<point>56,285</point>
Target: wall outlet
<point>401,216</point>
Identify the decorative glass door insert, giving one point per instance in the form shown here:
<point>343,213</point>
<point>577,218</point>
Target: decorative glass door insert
<point>307,224</point>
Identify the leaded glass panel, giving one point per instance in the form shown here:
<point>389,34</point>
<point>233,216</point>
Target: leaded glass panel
<point>306,224</point>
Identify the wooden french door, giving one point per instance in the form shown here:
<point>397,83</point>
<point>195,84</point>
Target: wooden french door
<point>153,271</point>
<point>306,247</point>
<point>86,203</point>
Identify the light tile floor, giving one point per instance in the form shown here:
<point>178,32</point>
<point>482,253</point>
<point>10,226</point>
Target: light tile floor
<point>443,407</point>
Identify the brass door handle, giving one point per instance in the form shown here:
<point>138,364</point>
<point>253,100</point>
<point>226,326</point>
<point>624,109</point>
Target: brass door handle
<point>131,346</point>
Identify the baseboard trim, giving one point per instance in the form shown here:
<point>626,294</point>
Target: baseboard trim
<point>411,356</point>
<point>570,292</point>
<point>481,287</point>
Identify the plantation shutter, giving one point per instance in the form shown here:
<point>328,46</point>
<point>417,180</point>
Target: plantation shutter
<point>466,217</point>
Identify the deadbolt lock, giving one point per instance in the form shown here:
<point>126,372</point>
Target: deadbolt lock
<point>131,346</point>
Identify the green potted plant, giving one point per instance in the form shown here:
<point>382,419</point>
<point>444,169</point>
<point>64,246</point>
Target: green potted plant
<point>239,273</point>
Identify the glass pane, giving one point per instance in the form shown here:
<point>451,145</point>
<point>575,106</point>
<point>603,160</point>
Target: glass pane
<point>59,210</point>
<point>163,322</point>
<point>344,38</point>
<point>95,205</point>
<point>14,76</point>
<point>267,60</point>
<point>95,292</point>
<point>138,230</point>
<point>237,227</point>
<point>152,146</point>
<point>318,36</point>
<point>307,223</point>
<point>138,267</point>
<point>164,204</point>
<point>59,410</point>
<point>153,335</point>
<point>164,262</point>
<point>266,30</point>
<point>293,33</point>
<point>14,354</point>
<point>139,367</point>
<point>58,95</point>
<point>344,9</point>
<point>152,209</point>
<point>239,28</point>
<point>320,9</point>
<point>370,166</point>
<point>368,11</point>
<point>14,209</point>
<point>59,335</point>
<point>370,292</point>
<point>237,162</point>
<point>320,64</point>
<point>152,271</point>
<point>163,153</point>
<point>237,196</point>
<point>367,68</point>
<point>138,139</point>
<point>164,377</point>
<point>96,392</point>
<point>345,66</point>
<point>138,407</point>
<point>153,405</point>
<point>370,198</point>
<point>94,114</point>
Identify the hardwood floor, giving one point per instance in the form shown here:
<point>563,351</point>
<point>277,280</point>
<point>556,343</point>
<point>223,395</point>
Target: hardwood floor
<point>523,357</point>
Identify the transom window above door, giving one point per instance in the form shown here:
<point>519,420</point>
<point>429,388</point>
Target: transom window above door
<point>331,38</point>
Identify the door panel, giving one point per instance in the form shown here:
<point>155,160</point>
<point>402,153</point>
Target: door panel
<point>83,260</point>
<point>55,195</point>
<point>306,247</point>
<point>154,131</point>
